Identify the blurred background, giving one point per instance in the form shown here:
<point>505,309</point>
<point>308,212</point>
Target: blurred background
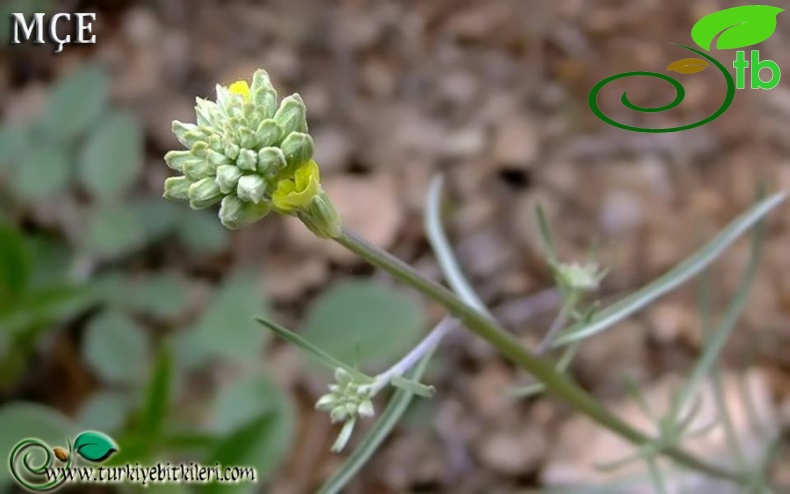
<point>124,313</point>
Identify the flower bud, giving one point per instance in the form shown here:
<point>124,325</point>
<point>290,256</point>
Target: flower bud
<point>188,134</point>
<point>271,161</point>
<point>207,113</point>
<point>247,160</point>
<point>321,217</point>
<point>251,188</point>
<point>235,213</point>
<point>297,148</point>
<point>269,133</point>
<point>176,159</point>
<point>291,116</point>
<point>198,168</point>
<point>204,193</point>
<point>177,188</point>
<point>227,178</point>
<point>248,139</point>
<point>264,95</point>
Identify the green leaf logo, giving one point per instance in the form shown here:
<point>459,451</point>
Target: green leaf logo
<point>94,446</point>
<point>739,27</point>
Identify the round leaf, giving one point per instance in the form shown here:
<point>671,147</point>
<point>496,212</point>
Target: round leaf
<point>227,328</point>
<point>114,231</point>
<point>257,421</point>
<point>42,172</point>
<point>116,347</point>
<point>105,410</point>
<point>162,295</point>
<point>201,232</point>
<point>365,321</point>
<point>111,158</point>
<point>75,102</point>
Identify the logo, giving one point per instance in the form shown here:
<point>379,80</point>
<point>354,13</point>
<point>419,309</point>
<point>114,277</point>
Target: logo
<point>737,27</point>
<point>28,469</point>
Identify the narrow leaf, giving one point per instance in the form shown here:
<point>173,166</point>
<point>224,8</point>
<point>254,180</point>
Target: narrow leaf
<point>676,276</point>
<point>293,338</point>
<point>414,387</point>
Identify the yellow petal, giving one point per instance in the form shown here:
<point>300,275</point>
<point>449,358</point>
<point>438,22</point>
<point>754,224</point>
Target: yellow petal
<point>297,193</point>
<point>241,88</point>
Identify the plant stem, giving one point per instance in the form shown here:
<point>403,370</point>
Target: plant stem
<point>556,383</point>
<point>424,347</point>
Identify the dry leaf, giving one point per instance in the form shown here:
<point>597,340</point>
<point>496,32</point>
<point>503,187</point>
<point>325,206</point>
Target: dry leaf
<point>688,65</point>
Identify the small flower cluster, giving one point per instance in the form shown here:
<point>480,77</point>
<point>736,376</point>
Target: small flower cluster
<point>349,398</point>
<point>579,277</point>
<point>253,156</point>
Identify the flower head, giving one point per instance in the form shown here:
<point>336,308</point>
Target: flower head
<point>348,399</point>
<point>252,155</point>
<point>580,277</point>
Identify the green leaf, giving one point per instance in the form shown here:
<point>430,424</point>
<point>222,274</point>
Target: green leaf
<point>114,231</point>
<point>112,156</point>
<point>14,263</point>
<point>201,232</point>
<point>75,103</point>
<point>14,140</point>
<point>365,318</point>
<point>105,411</point>
<point>675,277</point>
<point>158,216</point>
<point>157,395</point>
<point>21,420</point>
<point>319,355</point>
<point>115,347</point>
<point>43,171</point>
<point>257,420</point>
<point>721,335</point>
<point>227,328</point>
<point>163,295</point>
<point>94,446</point>
<point>739,27</point>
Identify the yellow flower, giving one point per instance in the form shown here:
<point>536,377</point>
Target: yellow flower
<point>297,193</point>
<point>242,88</point>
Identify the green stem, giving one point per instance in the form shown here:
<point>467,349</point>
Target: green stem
<point>485,327</point>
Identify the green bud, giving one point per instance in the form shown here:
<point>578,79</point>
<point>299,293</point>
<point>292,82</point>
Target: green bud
<point>177,159</point>
<point>291,115</point>
<point>177,188</point>
<point>198,169</point>
<point>321,217</point>
<point>188,134</point>
<point>231,150</point>
<point>271,161</point>
<point>204,193</point>
<point>269,133</point>
<point>206,112</point>
<point>217,158</point>
<point>297,148</point>
<point>227,178</point>
<point>235,213</point>
<point>247,160</point>
<point>263,93</point>
<point>248,139</point>
<point>251,188</point>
